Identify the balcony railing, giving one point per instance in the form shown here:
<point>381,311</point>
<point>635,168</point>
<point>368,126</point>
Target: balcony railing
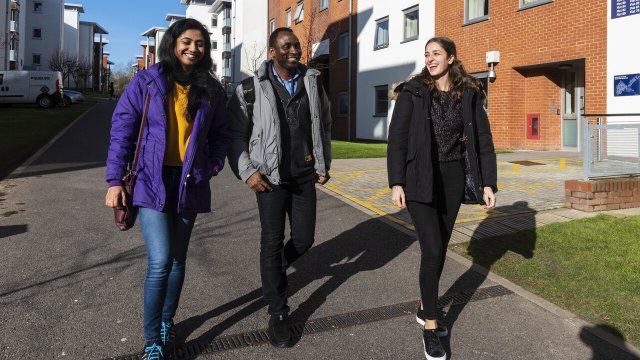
<point>13,55</point>
<point>13,26</point>
<point>226,47</point>
<point>226,71</point>
<point>226,22</point>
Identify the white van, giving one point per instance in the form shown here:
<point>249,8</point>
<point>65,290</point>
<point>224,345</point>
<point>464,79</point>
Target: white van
<point>24,87</point>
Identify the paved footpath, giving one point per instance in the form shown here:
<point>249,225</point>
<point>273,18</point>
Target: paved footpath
<point>71,283</point>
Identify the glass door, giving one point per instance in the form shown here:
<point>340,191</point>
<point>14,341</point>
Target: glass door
<point>572,106</point>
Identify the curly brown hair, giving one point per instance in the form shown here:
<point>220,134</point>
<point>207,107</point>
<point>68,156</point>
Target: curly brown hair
<point>460,79</point>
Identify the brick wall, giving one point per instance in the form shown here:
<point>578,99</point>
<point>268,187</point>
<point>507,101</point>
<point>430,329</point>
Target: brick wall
<point>599,195</point>
<point>316,26</point>
<point>562,30</point>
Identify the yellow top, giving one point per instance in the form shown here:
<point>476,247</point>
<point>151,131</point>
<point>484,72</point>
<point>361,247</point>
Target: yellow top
<point>178,128</point>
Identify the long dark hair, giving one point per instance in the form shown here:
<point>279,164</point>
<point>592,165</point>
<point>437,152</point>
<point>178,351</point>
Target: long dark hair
<point>201,78</point>
<point>460,79</point>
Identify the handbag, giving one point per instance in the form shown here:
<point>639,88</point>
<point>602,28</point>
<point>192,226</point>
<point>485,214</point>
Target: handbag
<point>125,215</point>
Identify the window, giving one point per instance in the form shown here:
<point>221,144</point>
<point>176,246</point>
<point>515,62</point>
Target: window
<point>214,67</point>
<point>287,16</point>
<point>411,24</point>
<point>299,16</point>
<point>525,4</point>
<point>37,33</point>
<point>37,6</point>
<point>36,59</point>
<point>214,21</point>
<point>272,25</point>
<point>476,10</point>
<point>343,45</point>
<point>382,100</point>
<point>324,4</point>
<point>343,103</point>
<point>214,45</point>
<point>382,33</point>
<point>484,78</point>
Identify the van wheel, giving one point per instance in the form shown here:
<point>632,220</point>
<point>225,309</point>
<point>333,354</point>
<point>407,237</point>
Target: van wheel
<point>66,101</point>
<point>45,101</point>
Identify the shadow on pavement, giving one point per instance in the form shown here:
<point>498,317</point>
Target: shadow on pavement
<point>10,230</point>
<point>602,349</point>
<point>370,245</point>
<point>485,252</point>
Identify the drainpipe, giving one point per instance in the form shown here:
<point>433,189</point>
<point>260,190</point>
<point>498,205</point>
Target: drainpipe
<point>100,68</point>
<point>349,72</point>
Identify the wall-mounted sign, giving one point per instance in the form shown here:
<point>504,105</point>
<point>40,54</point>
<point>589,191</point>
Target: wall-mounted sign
<point>621,8</point>
<point>626,85</point>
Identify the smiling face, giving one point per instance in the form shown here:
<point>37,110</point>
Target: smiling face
<point>189,48</point>
<point>286,53</point>
<point>437,60</point>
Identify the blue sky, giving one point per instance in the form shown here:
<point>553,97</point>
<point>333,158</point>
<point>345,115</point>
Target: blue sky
<point>125,20</point>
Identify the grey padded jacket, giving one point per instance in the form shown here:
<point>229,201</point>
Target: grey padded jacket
<point>255,143</point>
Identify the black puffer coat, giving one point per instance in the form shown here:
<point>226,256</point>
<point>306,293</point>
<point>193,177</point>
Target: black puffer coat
<point>409,152</point>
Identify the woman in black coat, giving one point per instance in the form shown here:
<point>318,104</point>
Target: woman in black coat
<point>440,154</point>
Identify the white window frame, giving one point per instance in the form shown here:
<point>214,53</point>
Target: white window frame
<point>39,58</point>
<point>324,4</point>
<point>214,45</point>
<point>33,35</point>
<point>343,96</point>
<point>527,4</point>
<point>214,21</point>
<point>287,17</point>
<point>272,25</point>
<point>38,9</point>
<point>376,100</point>
<point>468,20</point>
<point>377,46</point>
<point>342,39</point>
<point>299,15</point>
<point>410,10</point>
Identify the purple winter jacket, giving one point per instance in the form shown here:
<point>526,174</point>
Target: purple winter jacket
<point>204,156</point>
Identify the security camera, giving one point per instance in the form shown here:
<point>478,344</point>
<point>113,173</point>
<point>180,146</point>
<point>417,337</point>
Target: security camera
<point>493,58</point>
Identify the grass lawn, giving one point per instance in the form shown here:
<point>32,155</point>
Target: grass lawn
<point>353,150</point>
<point>590,267</point>
<point>26,128</point>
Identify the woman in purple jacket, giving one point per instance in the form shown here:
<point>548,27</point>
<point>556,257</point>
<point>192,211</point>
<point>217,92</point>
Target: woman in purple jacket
<point>183,145</point>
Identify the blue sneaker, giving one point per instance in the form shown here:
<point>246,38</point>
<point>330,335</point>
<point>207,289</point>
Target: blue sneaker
<point>153,351</point>
<point>168,337</point>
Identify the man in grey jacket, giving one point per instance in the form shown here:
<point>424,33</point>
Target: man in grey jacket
<point>280,150</point>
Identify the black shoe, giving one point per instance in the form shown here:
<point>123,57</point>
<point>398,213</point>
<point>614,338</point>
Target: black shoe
<point>441,330</point>
<point>279,331</point>
<point>153,350</point>
<point>433,349</point>
<point>168,337</point>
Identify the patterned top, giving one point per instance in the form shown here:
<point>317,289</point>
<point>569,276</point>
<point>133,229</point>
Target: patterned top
<point>448,127</point>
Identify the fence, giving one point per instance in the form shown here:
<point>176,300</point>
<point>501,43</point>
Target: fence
<point>611,145</point>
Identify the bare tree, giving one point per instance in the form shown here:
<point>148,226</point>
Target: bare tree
<point>83,71</point>
<point>63,62</point>
<point>253,57</point>
<point>312,34</point>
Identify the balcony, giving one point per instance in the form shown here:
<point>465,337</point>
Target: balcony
<point>13,26</point>
<point>226,71</point>
<point>226,51</point>
<point>13,55</point>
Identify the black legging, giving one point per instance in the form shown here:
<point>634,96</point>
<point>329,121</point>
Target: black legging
<point>434,222</point>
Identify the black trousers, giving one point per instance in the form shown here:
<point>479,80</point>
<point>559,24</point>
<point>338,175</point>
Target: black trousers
<point>298,202</point>
<point>434,223</point>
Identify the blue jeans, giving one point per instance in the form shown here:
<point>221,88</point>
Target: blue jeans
<point>166,237</point>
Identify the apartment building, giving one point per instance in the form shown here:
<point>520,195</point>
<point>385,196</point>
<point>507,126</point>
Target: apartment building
<point>557,59</point>
<point>12,20</point>
<point>391,39</point>
<point>323,27</point>
<point>91,42</point>
<point>153,37</point>
<point>72,29</point>
<point>44,32</point>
